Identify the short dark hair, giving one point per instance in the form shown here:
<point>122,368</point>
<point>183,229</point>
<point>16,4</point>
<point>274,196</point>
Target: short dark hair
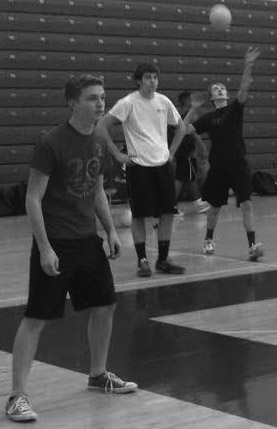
<point>183,96</point>
<point>76,84</point>
<point>143,68</point>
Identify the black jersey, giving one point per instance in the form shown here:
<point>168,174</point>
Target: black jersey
<point>224,127</point>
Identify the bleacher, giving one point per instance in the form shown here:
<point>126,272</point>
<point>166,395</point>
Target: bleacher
<point>44,42</point>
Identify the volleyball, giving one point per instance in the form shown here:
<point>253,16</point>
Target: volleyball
<point>220,17</point>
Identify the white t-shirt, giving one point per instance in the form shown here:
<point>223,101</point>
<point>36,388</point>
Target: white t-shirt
<point>144,123</point>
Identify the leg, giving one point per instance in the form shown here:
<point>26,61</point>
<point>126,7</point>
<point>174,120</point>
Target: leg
<point>242,188</point>
<point>164,264</point>
<point>165,227</point>
<point>247,215</point>
<point>25,346</point>
<point>99,335</point>
<point>212,217</point>
<point>138,230</point>
<point>178,187</point>
<point>19,408</point>
<point>255,250</point>
<point>139,238</point>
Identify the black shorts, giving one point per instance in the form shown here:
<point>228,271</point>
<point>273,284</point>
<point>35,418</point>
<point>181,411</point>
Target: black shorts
<point>84,272</point>
<point>151,190</point>
<point>186,169</point>
<point>220,180</point>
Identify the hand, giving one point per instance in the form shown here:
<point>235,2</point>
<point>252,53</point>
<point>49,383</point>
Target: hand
<point>171,158</point>
<point>125,159</point>
<point>197,99</point>
<point>114,245</point>
<point>49,262</point>
<point>251,55</point>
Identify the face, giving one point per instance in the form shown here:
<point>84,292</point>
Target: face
<point>90,104</point>
<point>219,92</point>
<point>149,82</point>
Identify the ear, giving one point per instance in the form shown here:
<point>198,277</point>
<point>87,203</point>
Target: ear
<point>71,104</point>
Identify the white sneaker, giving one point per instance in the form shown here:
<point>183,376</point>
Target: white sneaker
<point>19,409</point>
<point>202,206</point>
<point>208,247</point>
<point>255,251</point>
<point>178,212</point>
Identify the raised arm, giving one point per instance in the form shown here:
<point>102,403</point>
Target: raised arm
<point>102,131</point>
<point>246,80</point>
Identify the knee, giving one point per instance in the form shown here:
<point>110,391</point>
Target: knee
<point>34,326</point>
<point>103,312</point>
<point>246,206</point>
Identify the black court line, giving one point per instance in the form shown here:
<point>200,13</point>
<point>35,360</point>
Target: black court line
<point>227,374</point>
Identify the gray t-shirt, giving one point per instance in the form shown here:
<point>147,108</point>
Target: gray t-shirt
<point>73,162</point>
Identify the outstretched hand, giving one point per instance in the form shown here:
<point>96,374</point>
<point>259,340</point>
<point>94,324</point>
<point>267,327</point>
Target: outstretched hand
<point>197,99</point>
<point>251,55</point>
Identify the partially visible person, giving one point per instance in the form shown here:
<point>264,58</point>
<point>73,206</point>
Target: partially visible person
<point>229,168</point>
<point>191,161</point>
<point>64,195</point>
<point>145,115</point>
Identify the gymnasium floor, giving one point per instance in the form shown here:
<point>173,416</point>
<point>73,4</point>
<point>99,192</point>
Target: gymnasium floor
<point>202,346</point>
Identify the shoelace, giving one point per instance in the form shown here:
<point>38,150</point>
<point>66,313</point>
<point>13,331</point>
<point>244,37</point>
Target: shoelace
<point>111,379</point>
<point>22,404</point>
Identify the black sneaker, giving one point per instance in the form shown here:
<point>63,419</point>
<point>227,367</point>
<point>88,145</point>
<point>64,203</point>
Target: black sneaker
<point>144,269</point>
<point>167,267</point>
<point>111,383</point>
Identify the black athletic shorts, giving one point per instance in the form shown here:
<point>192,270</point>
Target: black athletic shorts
<point>151,190</point>
<point>84,273</point>
<point>186,169</point>
<point>220,180</point>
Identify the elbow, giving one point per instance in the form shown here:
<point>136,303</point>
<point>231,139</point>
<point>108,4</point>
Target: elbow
<point>31,201</point>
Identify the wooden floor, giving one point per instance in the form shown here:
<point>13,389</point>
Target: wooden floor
<point>202,346</point>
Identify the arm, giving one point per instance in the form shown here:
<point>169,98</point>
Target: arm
<point>246,80</point>
<point>201,148</point>
<point>103,213</point>
<point>103,132</point>
<point>202,157</point>
<point>178,137</point>
<point>37,185</point>
<point>197,100</point>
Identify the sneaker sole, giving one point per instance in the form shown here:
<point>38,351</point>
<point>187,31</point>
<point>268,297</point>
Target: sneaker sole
<point>119,390</point>
<point>144,274</point>
<point>257,256</point>
<point>21,418</point>
<point>161,271</point>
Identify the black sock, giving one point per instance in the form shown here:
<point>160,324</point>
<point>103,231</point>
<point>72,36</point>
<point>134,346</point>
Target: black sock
<point>251,237</point>
<point>140,249</point>
<point>163,247</point>
<point>209,234</point>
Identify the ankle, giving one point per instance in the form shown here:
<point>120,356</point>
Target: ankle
<point>97,374</point>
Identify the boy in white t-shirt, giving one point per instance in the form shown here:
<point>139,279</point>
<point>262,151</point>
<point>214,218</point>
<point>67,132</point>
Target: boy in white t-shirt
<point>145,115</point>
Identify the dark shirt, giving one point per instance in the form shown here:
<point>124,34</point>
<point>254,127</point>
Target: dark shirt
<point>225,129</point>
<point>73,162</point>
